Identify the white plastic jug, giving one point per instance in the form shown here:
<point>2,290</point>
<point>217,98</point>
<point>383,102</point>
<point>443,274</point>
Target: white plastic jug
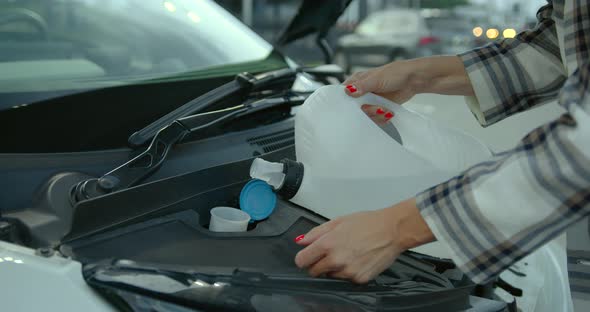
<point>346,163</point>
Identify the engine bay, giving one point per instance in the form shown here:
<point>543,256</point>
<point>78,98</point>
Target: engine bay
<point>159,230</point>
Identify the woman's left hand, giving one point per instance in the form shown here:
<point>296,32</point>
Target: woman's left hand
<point>359,246</point>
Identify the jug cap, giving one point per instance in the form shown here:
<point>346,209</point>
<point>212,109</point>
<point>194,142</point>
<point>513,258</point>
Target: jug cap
<point>258,199</point>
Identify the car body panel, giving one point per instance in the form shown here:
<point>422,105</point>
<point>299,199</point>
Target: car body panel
<point>32,282</point>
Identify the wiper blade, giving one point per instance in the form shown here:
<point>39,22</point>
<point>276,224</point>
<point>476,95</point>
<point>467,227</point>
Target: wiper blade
<point>204,120</point>
<point>241,86</point>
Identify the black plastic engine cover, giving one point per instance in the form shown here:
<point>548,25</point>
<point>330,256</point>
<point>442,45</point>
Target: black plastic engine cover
<point>160,229</point>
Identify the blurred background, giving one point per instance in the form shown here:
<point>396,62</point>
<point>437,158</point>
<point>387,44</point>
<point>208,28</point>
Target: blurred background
<point>375,32</point>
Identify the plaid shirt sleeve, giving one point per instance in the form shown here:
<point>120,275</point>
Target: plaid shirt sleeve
<point>512,75</point>
<point>499,211</point>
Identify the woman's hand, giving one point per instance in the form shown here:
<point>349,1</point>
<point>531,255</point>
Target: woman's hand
<point>359,246</point>
<point>400,81</point>
<point>393,81</point>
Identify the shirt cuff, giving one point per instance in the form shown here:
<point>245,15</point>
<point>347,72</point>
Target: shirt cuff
<point>438,212</point>
<point>473,105</point>
<point>483,92</point>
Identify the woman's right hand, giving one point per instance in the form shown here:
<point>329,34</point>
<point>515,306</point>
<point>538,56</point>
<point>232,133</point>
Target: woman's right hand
<point>400,81</point>
<point>391,81</point>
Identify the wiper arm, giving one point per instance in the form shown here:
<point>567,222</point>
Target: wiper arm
<point>241,86</point>
<point>146,163</point>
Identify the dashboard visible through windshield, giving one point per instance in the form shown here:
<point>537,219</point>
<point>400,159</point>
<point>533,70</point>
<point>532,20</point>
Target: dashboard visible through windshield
<point>56,45</point>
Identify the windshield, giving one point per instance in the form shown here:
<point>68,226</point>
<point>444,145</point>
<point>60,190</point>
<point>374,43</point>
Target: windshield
<point>57,45</point>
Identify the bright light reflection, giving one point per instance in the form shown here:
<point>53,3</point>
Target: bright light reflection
<point>18,261</point>
<point>492,33</point>
<point>8,258</point>
<point>1,260</point>
<point>194,17</point>
<point>169,6</point>
<point>200,283</point>
<point>509,33</point>
<point>477,31</point>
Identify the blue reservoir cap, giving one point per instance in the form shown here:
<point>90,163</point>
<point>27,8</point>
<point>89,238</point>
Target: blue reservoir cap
<point>258,200</point>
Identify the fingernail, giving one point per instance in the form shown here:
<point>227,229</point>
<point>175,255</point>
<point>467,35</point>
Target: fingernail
<point>380,111</point>
<point>389,115</point>
<point>351,88</point>
<point>298,238</point>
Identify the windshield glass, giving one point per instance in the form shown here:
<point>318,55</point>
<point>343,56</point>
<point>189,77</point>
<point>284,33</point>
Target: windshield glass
<point>56,45</point>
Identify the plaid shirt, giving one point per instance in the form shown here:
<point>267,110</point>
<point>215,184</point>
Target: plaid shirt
<point>501,210</point>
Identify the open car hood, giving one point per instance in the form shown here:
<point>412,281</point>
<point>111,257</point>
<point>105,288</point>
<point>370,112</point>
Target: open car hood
<point>313,17</point>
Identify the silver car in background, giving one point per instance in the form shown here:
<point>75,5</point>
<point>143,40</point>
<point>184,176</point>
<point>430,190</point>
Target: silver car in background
<point>387,36</point>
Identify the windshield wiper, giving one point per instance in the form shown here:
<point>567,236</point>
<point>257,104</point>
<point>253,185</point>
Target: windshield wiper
<point>173,127</point>
<point>241,86</point>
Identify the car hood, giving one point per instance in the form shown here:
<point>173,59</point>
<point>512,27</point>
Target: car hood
<point>313,17</point>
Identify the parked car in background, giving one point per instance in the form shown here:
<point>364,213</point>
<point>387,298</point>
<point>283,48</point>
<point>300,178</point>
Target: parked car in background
<point>387,36</point>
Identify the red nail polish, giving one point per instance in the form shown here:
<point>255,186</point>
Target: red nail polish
<point>389,115</point>
<point>380,111</point>
<point>298,238</point>
<point>351,88</point>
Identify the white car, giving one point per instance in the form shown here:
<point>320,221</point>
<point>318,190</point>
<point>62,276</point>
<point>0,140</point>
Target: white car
<point>387,36</point>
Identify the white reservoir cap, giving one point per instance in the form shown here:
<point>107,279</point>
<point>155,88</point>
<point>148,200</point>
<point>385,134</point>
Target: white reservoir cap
<point>269,172</point>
